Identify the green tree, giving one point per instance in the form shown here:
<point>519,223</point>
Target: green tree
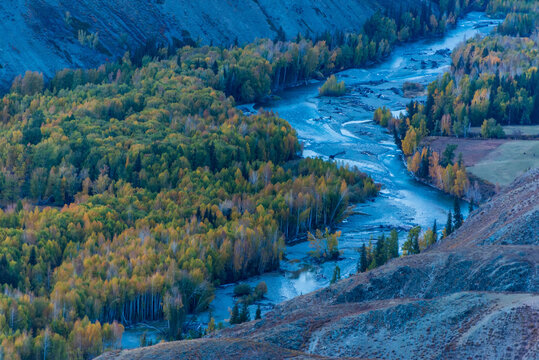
<point>448,155</point>
<point>32,260</point>
<point>244,313</point>
<point>332,87</point>
<point>411,245</point>
<point>362,264</point>
<point>393,245</point>
<point>458,219</point>
<point>471,206</point>
<point>448,225</point>
<point>258,314</point>
<point>490,129</point>
<point>336,275</point>
<point>235,315</point>
<point>435,230</point>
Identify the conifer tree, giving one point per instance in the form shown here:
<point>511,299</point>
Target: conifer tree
<point>379,253</point>
<point>393,245</point>
<point>449,224</point>
<point>235,316</point>
<point>435,230</point>
<point>244,314</point>
<point>336,275</point>
<point>362,263</point>
<point>411,245</point>
<point>33,256</point>
<point>258,314</point>
<point>458,219</point>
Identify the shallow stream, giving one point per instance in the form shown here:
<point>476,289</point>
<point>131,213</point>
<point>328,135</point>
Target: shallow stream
<point>328,126</point>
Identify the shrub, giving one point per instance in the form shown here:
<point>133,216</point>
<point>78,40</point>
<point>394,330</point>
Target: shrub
<point>242,290</point>
<point>260,290</point>
<point>332,87</point>
<point>491,130</point>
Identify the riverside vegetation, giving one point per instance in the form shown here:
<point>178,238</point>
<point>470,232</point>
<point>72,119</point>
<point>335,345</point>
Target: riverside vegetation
<point>130,190</point>
<point>493,81</point>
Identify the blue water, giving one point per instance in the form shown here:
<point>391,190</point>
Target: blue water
<point>329,126</point>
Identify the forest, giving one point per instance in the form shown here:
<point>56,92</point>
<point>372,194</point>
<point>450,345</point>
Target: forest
<point>493,81</point>
<point>129,191</point>
<point>128,197</point>
<point>490,78</point>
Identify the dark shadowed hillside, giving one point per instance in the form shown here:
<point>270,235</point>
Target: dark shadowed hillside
<point>49,35</point>
<point>474,295</point>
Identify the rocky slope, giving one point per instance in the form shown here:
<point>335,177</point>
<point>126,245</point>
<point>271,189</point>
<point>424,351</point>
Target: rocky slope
<point>48,35</point>
<point>472,295</point>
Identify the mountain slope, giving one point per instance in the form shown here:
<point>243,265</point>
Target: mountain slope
<point>472,295</point>
<point>49,35</point>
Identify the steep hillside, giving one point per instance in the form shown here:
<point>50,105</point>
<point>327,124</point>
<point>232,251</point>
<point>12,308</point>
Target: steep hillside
<point>473,295</point>
<point>210,349</point>
<point>48,35</point>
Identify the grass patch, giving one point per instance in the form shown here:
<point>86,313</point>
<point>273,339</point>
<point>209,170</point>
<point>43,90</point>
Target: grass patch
<point>508,161</point>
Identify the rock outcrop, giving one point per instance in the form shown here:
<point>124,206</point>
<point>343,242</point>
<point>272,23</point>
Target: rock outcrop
<point>49,35</point>
<point>473,295</point>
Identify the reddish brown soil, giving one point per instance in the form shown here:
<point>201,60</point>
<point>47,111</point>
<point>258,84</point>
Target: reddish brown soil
<point>473,150</point>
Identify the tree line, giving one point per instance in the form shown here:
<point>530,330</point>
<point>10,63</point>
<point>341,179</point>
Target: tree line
<point>493,80</point>
<point>378,252</point>
<point>251,72</point>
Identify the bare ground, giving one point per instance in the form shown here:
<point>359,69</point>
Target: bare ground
<point>473,150</point>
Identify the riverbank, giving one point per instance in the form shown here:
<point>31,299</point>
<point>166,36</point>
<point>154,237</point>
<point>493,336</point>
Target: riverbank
<point>330,126</point>
<point>492,163</point>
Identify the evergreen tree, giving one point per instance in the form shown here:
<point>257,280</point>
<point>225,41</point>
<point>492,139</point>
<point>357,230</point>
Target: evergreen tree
<point>4,270</point>
<point>411,245</point>
<point>397,138</point>
<point>458,219</point>
<point>393,245</point>
<point>424,166</point>
<point>415,242</point>
<point>362,263</point>
<point>258,314</point>
<point>336,275</point>
<point>33,256</point>
<point>379,253</point>
<point>19,206</point>
<point>143,340</point>
<point>235,316</point>
<point>435,230</point>
<point>449,224</point>
<point>244,314</point>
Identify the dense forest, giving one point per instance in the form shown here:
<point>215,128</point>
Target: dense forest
<point>128,197</point>
<point>129,191</point>
<point>493,81</point>
<point>492,78</point>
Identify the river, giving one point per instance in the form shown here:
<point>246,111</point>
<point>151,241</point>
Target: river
<point>329,126</point>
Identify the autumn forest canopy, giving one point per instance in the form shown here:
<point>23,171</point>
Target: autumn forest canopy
<point>493,81</point>
<point>129,191</point>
